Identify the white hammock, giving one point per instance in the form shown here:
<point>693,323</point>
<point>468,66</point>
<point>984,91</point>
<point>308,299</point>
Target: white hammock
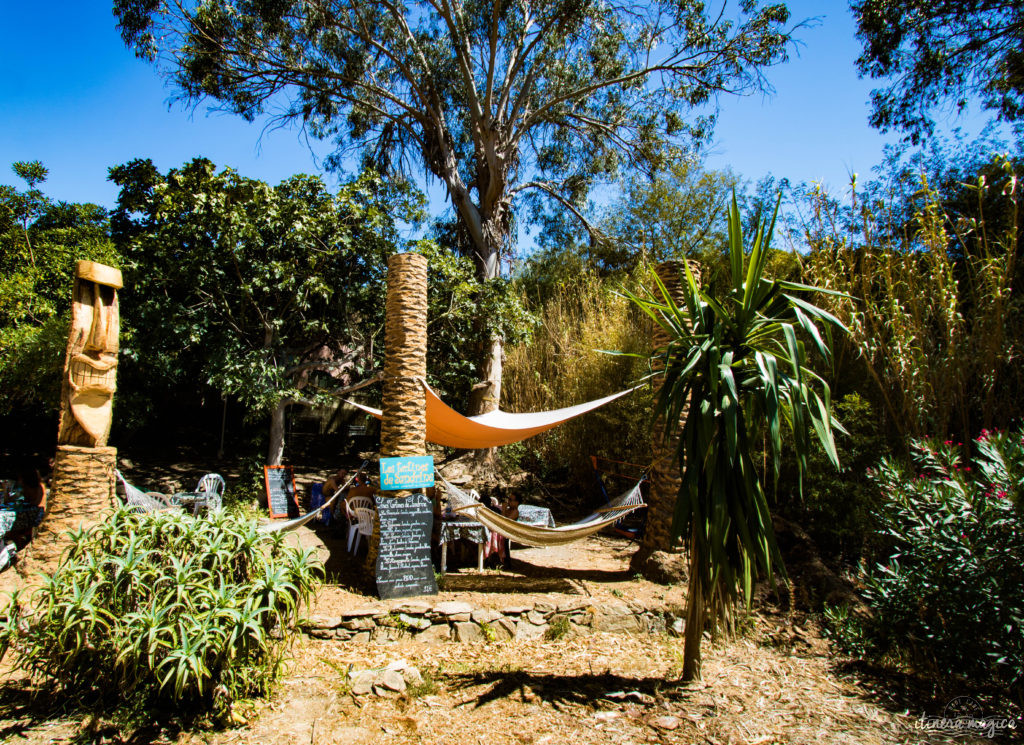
<point>539,535</point>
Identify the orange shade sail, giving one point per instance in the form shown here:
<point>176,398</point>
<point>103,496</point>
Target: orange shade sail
<point>447,427</point>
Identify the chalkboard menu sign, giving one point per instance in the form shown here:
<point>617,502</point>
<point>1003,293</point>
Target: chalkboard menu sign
<point>403,566</point>
<point>280,482</point>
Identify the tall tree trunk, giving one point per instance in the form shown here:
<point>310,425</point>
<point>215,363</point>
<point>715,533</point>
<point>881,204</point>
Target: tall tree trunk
<point>275,452</point>
<point>696,612</point>
<point>666,477</point>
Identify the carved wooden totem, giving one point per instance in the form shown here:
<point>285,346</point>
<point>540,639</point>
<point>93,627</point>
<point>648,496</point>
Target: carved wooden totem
<point>90,367</point>
<point>83,467</point>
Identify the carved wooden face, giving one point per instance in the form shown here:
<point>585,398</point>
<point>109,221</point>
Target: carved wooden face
<point>92,367</point>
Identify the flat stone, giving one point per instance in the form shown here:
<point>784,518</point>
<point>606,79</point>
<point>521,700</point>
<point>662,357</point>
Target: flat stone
<point>453,608</point>
<point>527,630</point>
<point>544,607</point>
<point>414,622</point>
<point>413,607</point>
<point>438,632</point>
<point>534,617</point>
<point>615,622</point>
<point>359,624</point>
<point>398,665</point>
<point>361,637</point>
<point>324,622</point>
<point>615,610</point>
<point>571,604</point>
<point>412,676</point>
<point>516,610</point>
<point>321,633</point>
<point>363,612</point>
<point>468,632</point>
<point>504,628</point>
<point>485,615</point>
<point>665,722</point>
<point>392,680</point>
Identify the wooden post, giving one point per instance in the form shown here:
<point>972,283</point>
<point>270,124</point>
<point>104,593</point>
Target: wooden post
<point>666,475</point>
<point>403,430</point>
<point>83,468</point>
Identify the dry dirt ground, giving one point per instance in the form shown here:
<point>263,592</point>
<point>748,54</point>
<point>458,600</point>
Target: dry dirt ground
<point>779,682</point>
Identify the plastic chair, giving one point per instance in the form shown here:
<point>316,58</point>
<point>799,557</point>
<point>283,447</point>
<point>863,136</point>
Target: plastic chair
<point>353,521</point>
<point>212,485</point>
<point>364,523</point>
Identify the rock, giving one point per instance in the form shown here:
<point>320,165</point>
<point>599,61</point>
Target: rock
<point>321,633</point>
<point>527,630</point>
<point>413,607</point>
<point>392,680</point>
<point>453,608</point>
<point>504,628</point>
<point>615,619</point>
<point>543,607</point>
<point>412,676</point>
<point>570,605</point>
<point>362,682</point>
<point>485,615</point>
<point>359,624</point>
<point>665,722</point>
<point>324,622</point>
<point>534,617</point>
<point>516,610</point>
<point>361,637</point>
<point>363,612</point>
<point>661,567</point>
<point>438,632</point>
<point>467,631</point>
<point>414,622</point>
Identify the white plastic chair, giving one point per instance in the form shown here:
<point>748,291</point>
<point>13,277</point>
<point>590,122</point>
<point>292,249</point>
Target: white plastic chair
<point>212,485</point>
<point>364,523</point>
<point>353,520</point>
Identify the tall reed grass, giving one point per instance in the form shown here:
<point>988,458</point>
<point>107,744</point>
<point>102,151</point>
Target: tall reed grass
<point>561,365</point>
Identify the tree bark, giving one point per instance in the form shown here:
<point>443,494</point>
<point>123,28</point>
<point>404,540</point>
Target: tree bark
<point>275,451</point>
<point>666,468</point>
<point>696,611</point>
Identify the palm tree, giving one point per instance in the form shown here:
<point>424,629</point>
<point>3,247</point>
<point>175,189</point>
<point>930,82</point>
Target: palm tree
<point>743,359</point>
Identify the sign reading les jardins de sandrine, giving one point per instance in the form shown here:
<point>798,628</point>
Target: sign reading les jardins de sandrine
<point>415,472</point>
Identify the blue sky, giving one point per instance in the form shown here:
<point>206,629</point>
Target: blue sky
<point>75,98</point>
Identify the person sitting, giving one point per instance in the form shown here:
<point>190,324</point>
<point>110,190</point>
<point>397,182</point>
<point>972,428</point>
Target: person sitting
<point>334,482</point>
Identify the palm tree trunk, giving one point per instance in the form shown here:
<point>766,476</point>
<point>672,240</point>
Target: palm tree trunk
<point>696,611</point>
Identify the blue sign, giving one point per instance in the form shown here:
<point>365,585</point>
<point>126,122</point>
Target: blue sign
<point>416,472</point>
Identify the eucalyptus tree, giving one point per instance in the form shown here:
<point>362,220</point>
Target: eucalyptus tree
<point>502,102</point>
<point>740,362</point>
<point>941,52</point>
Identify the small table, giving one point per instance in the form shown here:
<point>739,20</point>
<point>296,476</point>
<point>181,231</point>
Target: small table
<point>191,501</point>
<point>453,529</point>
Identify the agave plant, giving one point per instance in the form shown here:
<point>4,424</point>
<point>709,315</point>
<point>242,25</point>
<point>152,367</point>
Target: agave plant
<point>741,360</point>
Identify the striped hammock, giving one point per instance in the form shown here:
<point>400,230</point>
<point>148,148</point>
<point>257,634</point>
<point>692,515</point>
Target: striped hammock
<point>539,535</point>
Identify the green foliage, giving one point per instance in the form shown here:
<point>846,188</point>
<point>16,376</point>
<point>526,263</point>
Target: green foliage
<point>157,609</point>
<point>939,54</point>
<point>742,362</point>
<point>40,243</point>
<point>559,627</point>
<point>949,594</point>
<point>561,365</point>
<point>836,508</point>
<point>929,300</point>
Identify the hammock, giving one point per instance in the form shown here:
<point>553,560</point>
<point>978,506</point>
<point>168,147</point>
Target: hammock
<point>445,426</point>
<point>143,502</point>
<point>538,535</point>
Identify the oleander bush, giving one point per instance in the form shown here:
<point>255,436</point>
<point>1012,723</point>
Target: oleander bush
<point>948,594</point>
<point>149,610</point>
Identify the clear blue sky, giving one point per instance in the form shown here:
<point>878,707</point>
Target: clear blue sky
<point>75,98</point>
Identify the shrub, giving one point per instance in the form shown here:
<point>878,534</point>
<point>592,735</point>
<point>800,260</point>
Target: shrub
<point>950,594</point>
<point>163,608</point>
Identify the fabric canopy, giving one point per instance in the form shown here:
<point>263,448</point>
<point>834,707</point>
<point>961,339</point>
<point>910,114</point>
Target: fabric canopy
<point>447,427</point>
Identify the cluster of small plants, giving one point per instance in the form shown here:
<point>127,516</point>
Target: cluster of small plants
<point>948,592</point>
<point>163,608</point>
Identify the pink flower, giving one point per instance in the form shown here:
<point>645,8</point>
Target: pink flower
<point>947,442</point>
<point>1001,494</point>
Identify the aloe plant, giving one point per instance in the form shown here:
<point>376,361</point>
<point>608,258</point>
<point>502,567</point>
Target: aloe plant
<point>742,359</point>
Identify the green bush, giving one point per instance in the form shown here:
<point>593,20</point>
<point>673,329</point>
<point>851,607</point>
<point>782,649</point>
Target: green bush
<point>949,596</point>
<point>163,608</point>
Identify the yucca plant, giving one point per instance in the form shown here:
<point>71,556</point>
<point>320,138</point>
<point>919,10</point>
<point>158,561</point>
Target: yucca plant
<point>742,361</point>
